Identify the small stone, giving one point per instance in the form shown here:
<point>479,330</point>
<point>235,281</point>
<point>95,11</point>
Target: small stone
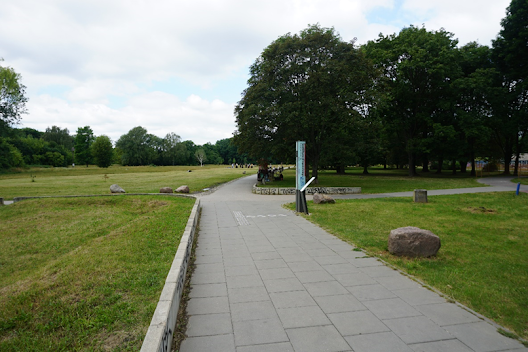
<point>116,189</point>
<point>182,189</point>
<point>322,199</point>
<point>413,242</point>
<point>166,190</point>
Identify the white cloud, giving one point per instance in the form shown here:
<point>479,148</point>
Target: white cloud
<point>78,58</point>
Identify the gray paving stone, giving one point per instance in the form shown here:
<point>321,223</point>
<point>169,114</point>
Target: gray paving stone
<point>238,261</point>
<point>244,281</point>
<point>208,278</point>
<point>253,311</point>
<point>296,257</point>
<point>276,273</point>
<point>217,343</point>
<point>263,248</point>
<point>241,270</point>
<point>380,342</point>
<point>274,347</point>
<point>371,292</point>
<point>299,317</point>
<point>441,346</point>
<point>209,324</point>
<point>248,294</point>
<point>326,288</point>
<point>354,279</point>
<point>208,290</point>
<point>320,252</point>
<point>209,268</point>
<point>482,337</point>
<point>292,299</point>
<point>256,332</point>
<point>305,266</point>
<point>283,285</point>
<point>208,259</point>
<point>339,303</point>
<point>417,329</point>
<point>265,255</point>
<point>419,296</point>
<point>331,259</point>
<point>340,268</point>
<point>314,276</point>
<point>317,339</point>
<point>270,264</point>
<point>391,308</point>
<point>447,314</point>
<point>357,323</point>
<point>397,282</point>
<point>208,305</point>
<point>361,262</point>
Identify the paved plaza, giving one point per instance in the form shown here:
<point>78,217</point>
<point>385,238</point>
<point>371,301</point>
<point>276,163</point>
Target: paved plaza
<point>268,280</point>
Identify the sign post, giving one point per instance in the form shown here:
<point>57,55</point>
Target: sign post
<point>300,180</point>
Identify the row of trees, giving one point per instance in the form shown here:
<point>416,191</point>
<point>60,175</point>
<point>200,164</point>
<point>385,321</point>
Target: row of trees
<point>56,147</point>
<point>411,98</point>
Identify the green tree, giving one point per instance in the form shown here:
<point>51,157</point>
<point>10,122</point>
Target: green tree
<point>10,156</point>
<point>227,150</point>
<point>12,98</point>
<point>419,67</point>
<point>137,148</point>
<point>510,52</point>
<point>302,87</point>
<point>102,151</point>
<point>83,141</point>
<point>173,149</point>
<point>59,136</point>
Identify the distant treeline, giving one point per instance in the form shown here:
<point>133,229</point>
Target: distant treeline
<point>57,147</point>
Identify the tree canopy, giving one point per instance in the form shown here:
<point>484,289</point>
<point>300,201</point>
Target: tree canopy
<point>307,87</point>
<point>12,97</point>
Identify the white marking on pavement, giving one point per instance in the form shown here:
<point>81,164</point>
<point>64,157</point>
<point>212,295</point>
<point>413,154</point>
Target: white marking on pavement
<point>240,218</point>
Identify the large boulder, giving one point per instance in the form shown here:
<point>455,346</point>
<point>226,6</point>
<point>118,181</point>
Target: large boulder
<point>116,189</point>
<point>322,199</point>
<point>166,190</point>
<point>413,242</point>
<point>182,189</point>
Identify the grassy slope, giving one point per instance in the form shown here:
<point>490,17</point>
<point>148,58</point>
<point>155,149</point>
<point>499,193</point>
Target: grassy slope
<point>85,273</point>
<point>482,262</point>
<point>142,179</point>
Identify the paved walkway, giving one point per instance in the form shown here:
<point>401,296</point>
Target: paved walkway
<point>268,280</point>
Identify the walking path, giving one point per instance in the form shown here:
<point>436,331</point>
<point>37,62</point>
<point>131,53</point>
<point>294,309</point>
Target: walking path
<point>268,280</point>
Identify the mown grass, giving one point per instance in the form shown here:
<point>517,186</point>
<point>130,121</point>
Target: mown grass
<point>380,180</point>
<point>482,262</point>
<point>85,273</point>
<point>93,180</point>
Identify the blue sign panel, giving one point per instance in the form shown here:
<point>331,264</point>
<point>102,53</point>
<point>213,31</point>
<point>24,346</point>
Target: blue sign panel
<point>300,180</point>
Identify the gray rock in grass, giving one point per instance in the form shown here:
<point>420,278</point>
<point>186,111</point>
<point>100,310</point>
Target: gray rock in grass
<point>413,242</point>
<point>116,189</point>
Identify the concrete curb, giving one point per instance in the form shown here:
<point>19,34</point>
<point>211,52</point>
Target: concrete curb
<point>309,190</point>
<point>161,330</point>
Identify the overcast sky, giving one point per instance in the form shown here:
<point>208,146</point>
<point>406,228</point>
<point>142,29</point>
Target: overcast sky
<point>181,65</point>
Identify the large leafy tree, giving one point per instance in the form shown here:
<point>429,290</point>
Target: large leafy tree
<point>83,141</point>
<point>12,97</point>
<point>418,66</point>
<point>137,147</point>
<point>510,53</point>
<point>59,136</point>
<point>302,87</point>
<point>173,149</point>
<point>102,151</point>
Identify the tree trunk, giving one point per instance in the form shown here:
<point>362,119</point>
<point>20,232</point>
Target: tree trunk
<point>473,165</point>
<point>463,166</point>
<point>440,163</point>
<point>412,165</point>
<point>340,169</point>
<point>453,166</point>
<point>365,170</point>
<point>425,164</point>
<point>507,160</point>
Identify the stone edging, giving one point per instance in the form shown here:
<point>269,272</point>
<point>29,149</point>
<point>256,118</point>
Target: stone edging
<point>309,190</point>
<point>161,330</point>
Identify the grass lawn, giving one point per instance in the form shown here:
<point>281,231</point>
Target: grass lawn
<point>93,180</point>
<point>482,262</point>
<point>384,181</point>
<point>85,273</point>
